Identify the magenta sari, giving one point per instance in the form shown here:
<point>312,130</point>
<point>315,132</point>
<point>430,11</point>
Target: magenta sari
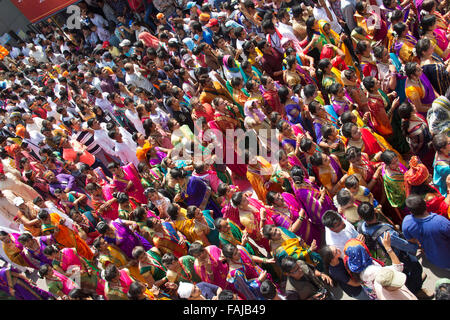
<point>219,269</point>
<point>441,40</point>
<point>68,284</point>
<point>307,231</point>
<point>137,191</point>
<point>308,197</point>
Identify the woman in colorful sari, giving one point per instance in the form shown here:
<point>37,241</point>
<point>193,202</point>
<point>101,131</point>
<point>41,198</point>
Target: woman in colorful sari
<point>118,232</point>
<point>18,287</point>
<point>367,172</point>
<point>415,129</point>
<point>365,19</point>
<point>229,232</point>
<point>188,228</point>
<point>244,275</point>
<point>320,118</point>
<point>180,269</point>
<point>199,193</point>
<point>403,43</point>
<point>166,238</point>
<point>366,58</point>
<point>104,208</point>
<point>417,181</point>
<point>150,266</point>
<point>252,215</point>
<point>67,262</point>
<point>204,222</point>
<point>378,103</point>
<point>328,171</point>
<point>434,68</point>
<point>292,76</point>
<point>394,182</point>
<point>58,284</point>
<point>353,90</point>
<point>288,213</point>
<point>441,166</point>
<point>334,143</point>
<point>53,224</point>
<point>126,179</point>
<point>14,249</point>
<point>364,138</point>
<point>70,200</point>
<point>109,253</point>
<point>418,88</point>
<point>284,243</point>
<point>240,96</point>
<point>313,200</point>
<point>33,249</point>
<point>280,175</point>
<point>209,264</point>
<point>437,36</point>
<point>259,171</point>
<point>270,95</point>
<point>228,210</point>
<point>429,7</point>
<point>250,72</point>
<point>117,283</point>
<point>330,74</point>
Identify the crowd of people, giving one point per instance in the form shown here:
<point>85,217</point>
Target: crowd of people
<point>103,195</point>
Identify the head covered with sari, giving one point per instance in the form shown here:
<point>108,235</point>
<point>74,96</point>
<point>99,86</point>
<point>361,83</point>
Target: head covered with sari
<point>227,65</point>
<point>416,175</point>
<point>357,257</point>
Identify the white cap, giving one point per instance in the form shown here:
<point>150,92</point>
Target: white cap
<point>125,42</point>
<point>18,201</point>
<point>185,289</point>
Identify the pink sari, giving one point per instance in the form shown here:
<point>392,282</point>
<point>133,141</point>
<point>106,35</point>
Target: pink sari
<point>137,190</point>
<point>68,284</point>
<point>219,269</point>
<point>441,40</point>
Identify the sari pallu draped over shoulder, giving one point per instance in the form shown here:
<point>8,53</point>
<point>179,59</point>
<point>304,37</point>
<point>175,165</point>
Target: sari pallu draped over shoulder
<point>169,241</point>
<point>128,239</point>
<point>22,290</point>
<point>308,196</point>
<point>291,245</point>
<point>219,268</point>
<point>131,174</point>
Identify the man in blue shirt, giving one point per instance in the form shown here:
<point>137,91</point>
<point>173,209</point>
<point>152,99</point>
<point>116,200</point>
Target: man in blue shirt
<point>371,228</point>
<point>199,34</point>
<point>431,230</point>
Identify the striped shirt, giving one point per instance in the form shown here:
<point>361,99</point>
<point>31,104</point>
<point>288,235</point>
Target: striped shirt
<point>88,140</point>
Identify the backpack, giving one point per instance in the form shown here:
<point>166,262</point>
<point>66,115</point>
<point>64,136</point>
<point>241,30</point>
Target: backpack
<point>376,249</point>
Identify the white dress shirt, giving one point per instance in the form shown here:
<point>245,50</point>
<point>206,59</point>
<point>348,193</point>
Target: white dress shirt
<point>339,239</point>
<point>126,153</point>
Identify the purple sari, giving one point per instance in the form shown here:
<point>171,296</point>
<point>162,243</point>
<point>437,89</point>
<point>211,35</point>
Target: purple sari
<point>307,196</point>
<point>23,290</point>
<point>127,239</point>
<point>429,92</point>
<point>307,231</point>
<point>39,256</point>
<point>200,194</point>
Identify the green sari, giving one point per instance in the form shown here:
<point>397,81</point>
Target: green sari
<point>394,185</point>
<point>234,236</point>
<point>187,273</point>
<point>155,267</point>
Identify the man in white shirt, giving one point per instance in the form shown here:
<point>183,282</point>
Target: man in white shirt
<point>124,151</point>
<point>337,230</point>
<point>135,78</point>
<point>98,20</point>
<point>321,11</point>
<point>37,52</point>
<point>101,138</point>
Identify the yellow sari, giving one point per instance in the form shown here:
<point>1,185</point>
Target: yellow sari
<point>69,239</point>
<point>382,141</point>
<point>258,178</point>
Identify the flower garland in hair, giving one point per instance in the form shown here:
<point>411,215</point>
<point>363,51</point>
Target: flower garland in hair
<point>424,12</point>
<point>394,34</point>
<point>414,52</point>
<point>389,15</point>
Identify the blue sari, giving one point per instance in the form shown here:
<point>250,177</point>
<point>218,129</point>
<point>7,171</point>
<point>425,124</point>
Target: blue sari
<point>199,192</point>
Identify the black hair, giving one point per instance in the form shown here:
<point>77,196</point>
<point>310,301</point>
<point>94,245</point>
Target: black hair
<point>416,204</point>
<point>236,199</point>
<point>330,218</point>
<point>316,159</point>
<point>404,111</point>
<point>442,292</point>
<point>222,189</point>
<point>326,130</point>
<point>268,290</point>
<point>102,227</point>
<point>196,248</point>
<point>267,231</point>
<point>346,129</point>
<point>313,106</point>
<point>172,211</point>
<point>287,264</point>
<point>387,156</point>
<point>111,272</point>
<point>352,181</point>
<point>135,290</point>
<point>309,90</point>
<point>137,252</point>
<point>440,141</point>
<point>366,211</point>
<point>228,250</point>
<point>226,295</point>
<point>343,197</point>
<point>327,255</point>
<point>43,270</point>
<point>369,83</point>
<point>410,68</point>
<point>168,258</point>
<point>305,144</point>
<point>421,46</point>
<point>426,23</point>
